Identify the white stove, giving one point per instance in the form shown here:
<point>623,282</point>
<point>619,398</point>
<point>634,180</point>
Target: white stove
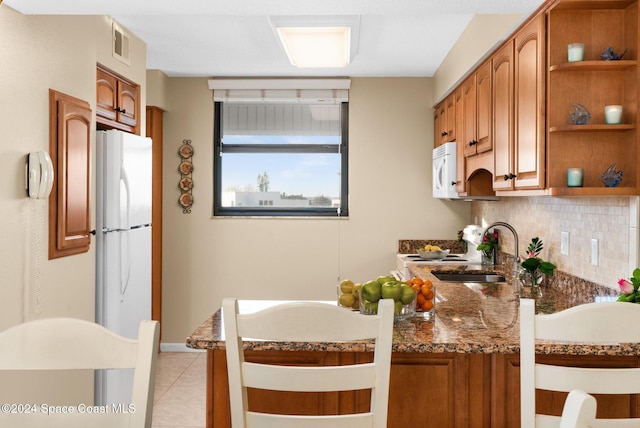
<point>472,234</point>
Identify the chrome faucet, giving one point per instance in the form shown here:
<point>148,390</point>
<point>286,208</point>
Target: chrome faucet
<point>515,235</point>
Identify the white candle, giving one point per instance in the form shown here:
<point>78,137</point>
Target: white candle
<point>574,177</point>
<point>576,52</point>
<point>613,114</point>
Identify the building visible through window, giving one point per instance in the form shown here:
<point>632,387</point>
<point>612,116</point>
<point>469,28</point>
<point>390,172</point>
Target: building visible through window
<point>286,158</point>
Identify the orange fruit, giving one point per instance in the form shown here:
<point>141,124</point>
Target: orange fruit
<point>417,280</point>
<point>426,288</point>
<point>427,305</point>
<point>420,300</point>
<point>416,288</point>
<point>429,295</point>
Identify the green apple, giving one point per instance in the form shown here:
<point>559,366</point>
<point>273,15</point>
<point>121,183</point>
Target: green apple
<point>397,307</point>
<point>392,290</point>
<point>382,279</point>
<point>371,291</point>
<point>370,307</point>
<point>408,294</point>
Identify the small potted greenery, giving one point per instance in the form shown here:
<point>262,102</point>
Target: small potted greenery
<point>534,267</point>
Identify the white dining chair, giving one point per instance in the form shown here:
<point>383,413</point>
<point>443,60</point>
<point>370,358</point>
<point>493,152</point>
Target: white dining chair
<point>579,410</point>
<point>593,323</point>
<point>308,322</point>
<point>74,344</point>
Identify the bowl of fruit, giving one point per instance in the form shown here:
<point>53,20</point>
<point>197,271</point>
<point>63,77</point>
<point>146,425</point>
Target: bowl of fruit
<point>425,296</point>
<point>432,252</point>
<point>388,287</point>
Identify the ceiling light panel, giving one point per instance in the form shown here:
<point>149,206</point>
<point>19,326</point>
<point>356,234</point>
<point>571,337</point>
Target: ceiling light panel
<point>317,41</point>
<point>319,47</point>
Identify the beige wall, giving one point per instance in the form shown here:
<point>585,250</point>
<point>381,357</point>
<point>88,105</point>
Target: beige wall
<point>39,53</point>
<point>480,36</point>
<point>206,259</point>
<point>157,83</point>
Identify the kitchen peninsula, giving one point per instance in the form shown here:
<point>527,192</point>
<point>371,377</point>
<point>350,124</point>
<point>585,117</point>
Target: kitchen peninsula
<point>459,370</point>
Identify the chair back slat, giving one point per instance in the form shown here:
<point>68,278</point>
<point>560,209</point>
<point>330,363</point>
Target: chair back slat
<point>54,344</point>
<point>308,322</point>
<point>603,323</point>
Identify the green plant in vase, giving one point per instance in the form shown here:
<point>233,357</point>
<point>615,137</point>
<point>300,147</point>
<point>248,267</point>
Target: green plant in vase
<point>534,267</point>
<point>489,246</point>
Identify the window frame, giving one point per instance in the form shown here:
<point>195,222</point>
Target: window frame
<point>220,148</point>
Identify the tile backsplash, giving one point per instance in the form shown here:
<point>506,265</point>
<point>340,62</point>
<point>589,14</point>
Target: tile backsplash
<point>613,221</point>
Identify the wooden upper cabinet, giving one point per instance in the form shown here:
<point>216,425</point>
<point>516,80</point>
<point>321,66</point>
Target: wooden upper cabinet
<point>127,103</point>
<point>445,121</point>
<point>70,133</point>
<point>476,96</point>
<point>469,117</point>
<point>439,126</point>
<point>502,75</point>
<point>483,112</point>
<point>106,95</point>
<point>461,166</point>
<point>450,113</point>
<point>529,105</point>
<point>117,102</point>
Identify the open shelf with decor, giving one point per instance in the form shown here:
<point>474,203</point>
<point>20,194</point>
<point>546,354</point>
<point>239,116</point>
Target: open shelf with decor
<point>592,83</point>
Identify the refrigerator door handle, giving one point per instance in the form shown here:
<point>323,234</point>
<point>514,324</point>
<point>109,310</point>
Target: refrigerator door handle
<point>125,263</point>
<point>127,193</point>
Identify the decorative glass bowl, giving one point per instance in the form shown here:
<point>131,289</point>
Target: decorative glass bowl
<point>401,311</point>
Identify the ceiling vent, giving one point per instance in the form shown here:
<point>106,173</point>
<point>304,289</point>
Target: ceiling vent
<point>120,44</point>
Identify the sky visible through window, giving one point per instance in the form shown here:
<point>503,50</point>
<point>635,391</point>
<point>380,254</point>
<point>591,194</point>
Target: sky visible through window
<point>308,174</point>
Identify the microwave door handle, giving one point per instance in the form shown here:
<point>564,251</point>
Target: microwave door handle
<point>439,173</point>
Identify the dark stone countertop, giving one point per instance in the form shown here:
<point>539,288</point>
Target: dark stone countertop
<point>469,318</point>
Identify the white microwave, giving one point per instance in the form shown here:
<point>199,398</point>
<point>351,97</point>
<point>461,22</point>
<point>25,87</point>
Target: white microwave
<point>444,171</point>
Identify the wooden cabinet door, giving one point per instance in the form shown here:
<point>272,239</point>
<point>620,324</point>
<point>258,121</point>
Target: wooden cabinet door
<point>483,108</point>
<point>469,121</point>
<point>461,165</point>
<point>69,204</point>
<point>127,103</point>
<point>106,94</point>
<point>529,108</point>
<point>502,70</point>
<point>117,102</point>
<point>450,109</point>
<point>505,394</point>
<point>439,125</point>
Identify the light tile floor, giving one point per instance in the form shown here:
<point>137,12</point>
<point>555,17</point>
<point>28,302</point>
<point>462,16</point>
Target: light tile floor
<point>179,400</point>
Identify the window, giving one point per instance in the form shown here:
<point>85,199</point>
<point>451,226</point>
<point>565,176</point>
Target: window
<point>275,158</point>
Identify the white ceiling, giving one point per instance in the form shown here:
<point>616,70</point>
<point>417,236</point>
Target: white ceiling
<point>234,38</point>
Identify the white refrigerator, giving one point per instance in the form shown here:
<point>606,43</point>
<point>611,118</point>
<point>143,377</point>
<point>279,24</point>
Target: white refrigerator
<point>123,247</point>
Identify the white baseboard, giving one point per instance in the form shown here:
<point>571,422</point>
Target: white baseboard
<point>177,347</point>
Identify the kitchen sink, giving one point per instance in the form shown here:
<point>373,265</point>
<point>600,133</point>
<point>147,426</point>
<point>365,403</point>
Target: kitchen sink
<point>469,277</point>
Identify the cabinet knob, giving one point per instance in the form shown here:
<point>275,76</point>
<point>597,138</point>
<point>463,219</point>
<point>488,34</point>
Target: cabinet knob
<point>473,143</point>
<point>453,183</point>
<point>444,134</point>
<point>119,110</point>
<point>509,176</point>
